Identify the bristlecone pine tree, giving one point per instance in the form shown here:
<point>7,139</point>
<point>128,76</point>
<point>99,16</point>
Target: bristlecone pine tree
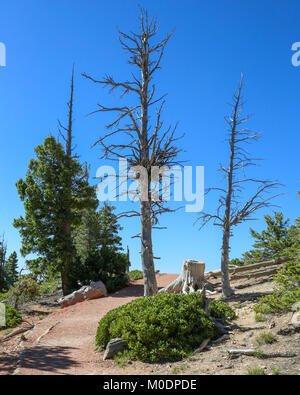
<point>55,192</point>
<point>232,210</point>
<point>143,147</point>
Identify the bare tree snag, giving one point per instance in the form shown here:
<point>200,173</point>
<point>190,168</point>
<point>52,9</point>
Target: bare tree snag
<point>231,210</point>
<point>191,279</point>
<point>138,135</point>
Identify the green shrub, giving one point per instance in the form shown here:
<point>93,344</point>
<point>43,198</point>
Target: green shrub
<point>49,286</point>
<point>259,317</point>
<point>12,317</point>
<point>266,338</point>
<point>24,290</point>
<point>287,292</point>
<point>256,372</point>
<point>220,309</point>
<point>135,275</point>
<point>166,327</point>
<point>3,296</point>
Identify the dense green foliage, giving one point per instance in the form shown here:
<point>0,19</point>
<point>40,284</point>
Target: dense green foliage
<point>12,316</point>
<point>55,192</point>
<point>286,293</point>
<point>24,290</point>
<point>8,267</point>
<point>287,290</point>
<point>3,277</point>
<point>166,327</point>
<point>135,275</point>
<point>220,309</point>
<point>11,267</point>
<point>278,240</point>
<point>99,252</point>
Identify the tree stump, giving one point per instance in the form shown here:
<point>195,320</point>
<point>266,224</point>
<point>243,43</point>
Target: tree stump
<point>191,279</point>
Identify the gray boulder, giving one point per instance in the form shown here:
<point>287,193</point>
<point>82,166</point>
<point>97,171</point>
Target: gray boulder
<point>93,291</point>
<point>113,347</point>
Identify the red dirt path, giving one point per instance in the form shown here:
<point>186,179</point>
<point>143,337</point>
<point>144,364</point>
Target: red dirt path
<point>69,347</point>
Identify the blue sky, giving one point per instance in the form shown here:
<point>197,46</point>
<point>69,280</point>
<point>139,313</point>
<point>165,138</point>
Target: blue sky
<point>213,43</point>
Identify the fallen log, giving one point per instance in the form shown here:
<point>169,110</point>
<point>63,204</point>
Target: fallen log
<point>218,273</point>
<point>256,273</point>
<point>15,333</point>
<point>256,353</point>
<point>46,333</point>
<point>247,328</point>
<point>247,285</point>
<point>203,345</point>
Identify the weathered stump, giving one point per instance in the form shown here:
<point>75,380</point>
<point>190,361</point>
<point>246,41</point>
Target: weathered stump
<point>191,279</point>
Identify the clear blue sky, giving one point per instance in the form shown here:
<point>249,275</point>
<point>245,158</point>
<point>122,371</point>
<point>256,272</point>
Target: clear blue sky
<point>214,42</point>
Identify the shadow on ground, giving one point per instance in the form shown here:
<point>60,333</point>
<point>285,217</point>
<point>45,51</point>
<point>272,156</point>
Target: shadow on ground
<point>249,296</point>
<point>133,290</point>
<point>7,363</point>
<point>48,359</point>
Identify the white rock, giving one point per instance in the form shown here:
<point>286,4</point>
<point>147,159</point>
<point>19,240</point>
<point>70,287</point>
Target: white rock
<point>296,306</point>
<point>296,320</point>
<point>92,291</point>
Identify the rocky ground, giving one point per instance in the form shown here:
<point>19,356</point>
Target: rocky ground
<point>62,341</point>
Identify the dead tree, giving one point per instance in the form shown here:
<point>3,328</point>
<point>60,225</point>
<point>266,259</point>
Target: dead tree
<point>232,210</point>
<point>68,135</point>
<point>145,148</point>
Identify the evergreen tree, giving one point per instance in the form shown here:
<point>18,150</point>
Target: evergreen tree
<point>55,192</point>
<point>273,243</point>
<point>11,267</point>
<point>3,277</point>
<point>99,251</point>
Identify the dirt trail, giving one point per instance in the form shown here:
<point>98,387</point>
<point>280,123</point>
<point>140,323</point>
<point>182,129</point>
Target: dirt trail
<point>68,348</point>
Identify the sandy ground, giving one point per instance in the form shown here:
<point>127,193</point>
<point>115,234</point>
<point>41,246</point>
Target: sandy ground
<point>63,342</point>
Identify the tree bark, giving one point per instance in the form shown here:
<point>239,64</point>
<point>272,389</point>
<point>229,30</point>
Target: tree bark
<point>66,281</point>
<point>150,283</point>
<point>226,289</point>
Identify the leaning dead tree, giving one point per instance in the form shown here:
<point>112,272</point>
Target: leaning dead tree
<point>132,137</point>
<point>232,209</point>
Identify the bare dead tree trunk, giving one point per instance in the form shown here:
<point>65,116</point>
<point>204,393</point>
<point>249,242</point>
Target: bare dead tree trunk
<point>227,290</point>
<point>145,148</point>
<point>68,284</point>
<point>230,204</point>
<point>150,287</point>
<point>68,139</point>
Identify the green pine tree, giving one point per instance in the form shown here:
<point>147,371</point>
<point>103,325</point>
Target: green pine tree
<point>99,250</point>
<point>273,243</point>
<point>11,267</point>
<point>55,192</point>
<point>3,278</point>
